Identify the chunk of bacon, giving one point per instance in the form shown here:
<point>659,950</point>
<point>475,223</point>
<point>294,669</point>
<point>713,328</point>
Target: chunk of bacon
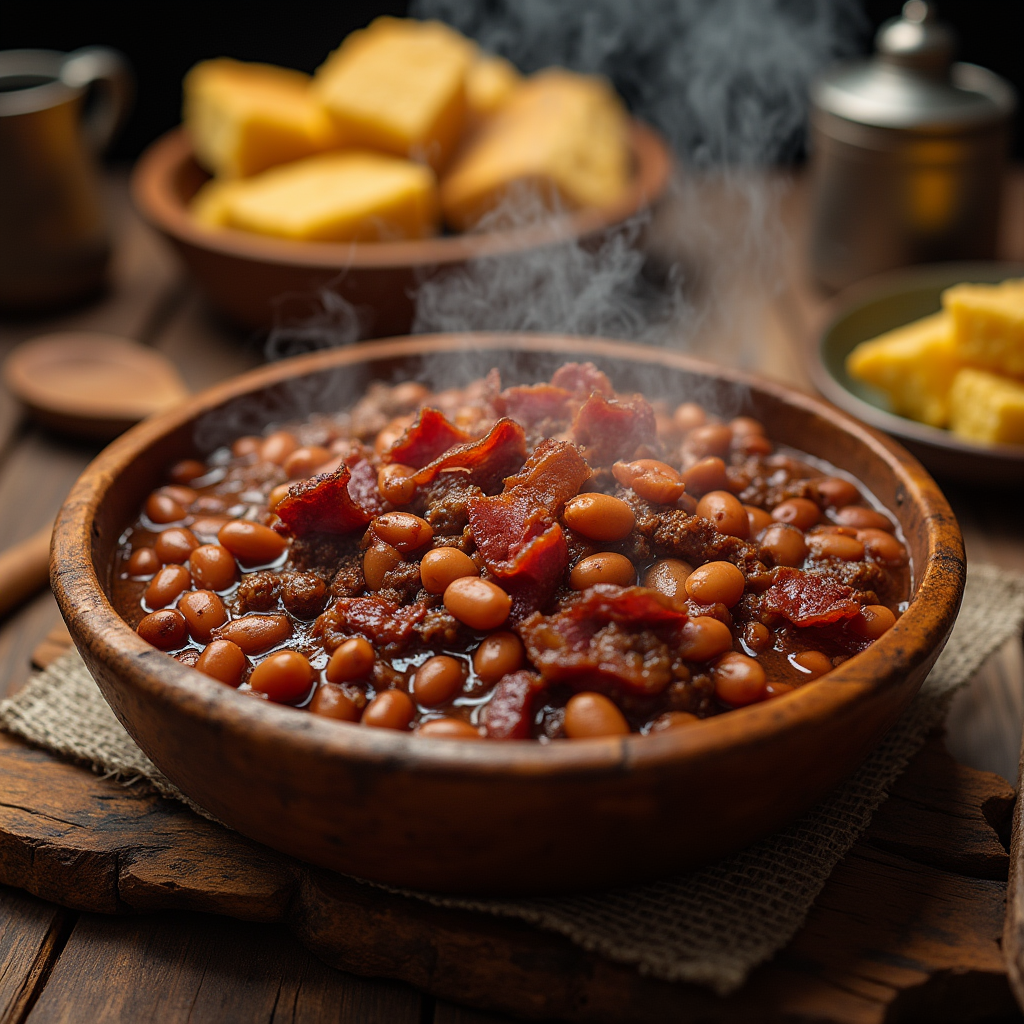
<point>326,504</point>
<point>806,599</point>
<point>516,531</point>
<point>426,440</point>
<point>487,461</point>
<point>609,638</point>
<point>510,711</point>
<point>535,403</point>
<point>582,379</point>
<point>381,621</point>
<point>610,429</point>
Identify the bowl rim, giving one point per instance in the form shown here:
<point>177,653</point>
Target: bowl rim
<point>96,625</point>
<point>156,198</point>
<point>874,289</point>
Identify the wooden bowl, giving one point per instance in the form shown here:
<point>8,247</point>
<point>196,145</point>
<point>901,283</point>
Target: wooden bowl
<point>264,282</point>
<point>513,817</point>
<point>891,300</point>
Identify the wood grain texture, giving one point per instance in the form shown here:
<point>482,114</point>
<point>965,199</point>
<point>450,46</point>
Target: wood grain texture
<point>32,934</point>
<point>908,925</point>
<point>178,967</point>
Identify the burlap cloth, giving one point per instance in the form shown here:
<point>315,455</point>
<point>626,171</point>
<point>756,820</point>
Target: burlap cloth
<point>711,926</point>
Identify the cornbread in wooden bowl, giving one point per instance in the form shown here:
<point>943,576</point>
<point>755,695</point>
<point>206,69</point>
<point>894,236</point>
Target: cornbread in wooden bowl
<point>409,152</point>
<point>416,804</point>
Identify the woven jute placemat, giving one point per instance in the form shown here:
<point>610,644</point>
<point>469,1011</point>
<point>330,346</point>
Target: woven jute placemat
<point>711,926</point>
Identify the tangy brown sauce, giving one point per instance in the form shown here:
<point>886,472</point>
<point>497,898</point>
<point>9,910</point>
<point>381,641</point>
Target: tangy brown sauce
<point>238,486</point>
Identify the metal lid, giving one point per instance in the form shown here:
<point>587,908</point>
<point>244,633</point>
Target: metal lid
<point>911,82</point>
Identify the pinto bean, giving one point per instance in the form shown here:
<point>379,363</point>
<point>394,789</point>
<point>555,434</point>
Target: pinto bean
<point>592,714</point>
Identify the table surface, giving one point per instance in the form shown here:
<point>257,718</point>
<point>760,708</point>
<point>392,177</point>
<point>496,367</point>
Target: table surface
<point>742,242</point>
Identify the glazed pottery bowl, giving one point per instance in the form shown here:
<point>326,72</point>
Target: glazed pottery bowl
<point>264,282</point>
<point>498,817</point>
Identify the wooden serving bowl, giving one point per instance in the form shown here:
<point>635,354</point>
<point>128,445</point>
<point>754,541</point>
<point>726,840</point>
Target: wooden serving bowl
<point>264,282</point>
<point>498,817</point>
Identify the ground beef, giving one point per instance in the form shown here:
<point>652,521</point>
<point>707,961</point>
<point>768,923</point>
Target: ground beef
<point>322,552</point>
<point>304,594</point>
<point>401,583</point>
<point>439,628</point>
<point>443,503</point>
<point>348,580</point>
<point>258,592</point>
<point>697,540</point>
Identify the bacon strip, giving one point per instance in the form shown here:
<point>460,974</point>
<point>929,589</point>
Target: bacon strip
<point>611,638</point>
<point>426,440</point>
<point>488,461</point>
<point>380,621</point>
<point>326,504</point>
<point>508,714</point>
<point>582,379</point>
<point>806,599</point>
<point>610,429</point>
<point>516,532</point>
<point>535,403</point>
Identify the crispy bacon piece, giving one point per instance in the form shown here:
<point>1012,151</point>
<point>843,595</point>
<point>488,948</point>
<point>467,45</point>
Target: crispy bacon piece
<point>516,532</point>
<point>324,504</point>
<point>488,460</point>
<point>582,379</point>
<point>508,715</point>
<point>379,620</point>
<point>610,429</point>
<point>362,484</point>
<point>426,440</point>
<point>535,403</point>
<point>806,599</point>
<point>610,638</point>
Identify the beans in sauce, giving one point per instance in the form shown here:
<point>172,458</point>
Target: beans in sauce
<point>545,561</point>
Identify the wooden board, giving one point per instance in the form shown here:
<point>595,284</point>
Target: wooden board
<point>908,925</point>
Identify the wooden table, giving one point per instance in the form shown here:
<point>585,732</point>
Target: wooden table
<point>59,965</point>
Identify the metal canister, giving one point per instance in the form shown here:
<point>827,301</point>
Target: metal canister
<point>908,154</point>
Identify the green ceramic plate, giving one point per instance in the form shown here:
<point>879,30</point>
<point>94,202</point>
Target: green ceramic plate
<point>891,300</point>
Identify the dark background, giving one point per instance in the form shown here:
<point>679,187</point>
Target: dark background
<point>164,41</point>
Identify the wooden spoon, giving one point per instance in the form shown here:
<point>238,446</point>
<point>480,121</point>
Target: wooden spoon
<point>90,384</point>
<point>24,569</point>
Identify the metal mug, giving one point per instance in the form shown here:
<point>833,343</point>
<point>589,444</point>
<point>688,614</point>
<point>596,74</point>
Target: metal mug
<point>58,112</point>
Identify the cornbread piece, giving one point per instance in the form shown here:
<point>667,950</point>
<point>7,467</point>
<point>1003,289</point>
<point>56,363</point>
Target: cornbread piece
<point>399,86</point>
<point>913,365</point>
<point>244,118</point>
<point>209,205</point>
<point>561,134</point>
<point>490,82</point>
<point>988,324</point>
<point>988,408</point>
<point>337,197</point>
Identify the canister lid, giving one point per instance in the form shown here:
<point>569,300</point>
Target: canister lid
<point>912,82</point>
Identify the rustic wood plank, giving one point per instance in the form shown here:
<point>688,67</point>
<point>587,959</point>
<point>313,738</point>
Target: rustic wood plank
<point>449,1013</point>
<point>32,934</point>
<point>206,970</point>
<point>914,912</point>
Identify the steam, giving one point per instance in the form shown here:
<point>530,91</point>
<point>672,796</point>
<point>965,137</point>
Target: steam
<point>565,287</point>
<point>726,81</point>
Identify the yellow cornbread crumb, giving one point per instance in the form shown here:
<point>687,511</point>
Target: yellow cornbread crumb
<point>491,80</point>
<point>243,118</point>
<point>562,134</point>
<point>913,365</point>
<point>349,196</point>
<point>399,86</point>
<point>988,324</point>
<point>985,407</point>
